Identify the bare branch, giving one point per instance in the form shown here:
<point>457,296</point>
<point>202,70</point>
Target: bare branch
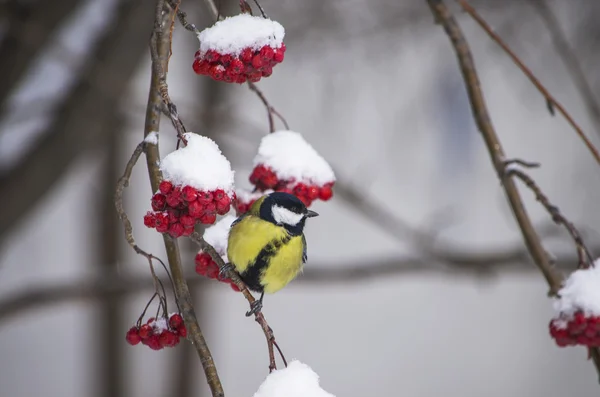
<point>160,47</point>
<point>481,115</point>
<point>569,58</point>
<point>552,102</point>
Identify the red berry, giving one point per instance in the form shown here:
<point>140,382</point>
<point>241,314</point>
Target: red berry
<point>267,71</point>
<point>234,287</point>
<point>187,231</point>
<point>189,193</point>
<point>205,197</point>
<point>212,270</point>
<point>176,229</point>
<point>241,79</point>
<point>325,192</point>
<point>278,56</point>
<point>223,207</point>
<point>196,209</point>
<point>301,190</point>
<point>158,202</point>
<point>266,53</point>
<point>182,331</point>
<point>174,198</point>
<point>173,215</point>
<point>257,62</point>
<point>169,338</point>
<point>313,192</point>
<point>217,72</point>
<point>219,194</point>
<point>149,219</point>
<point>187,220</point>
<point>175,321</point>
<point>246,55</point>
<point>133,337</point>
<point>150,320</point>
<point>228,78</point>
<point>269,180</point>
<point>208,218</point>
<point>255,77</point>
<point>257,174</point>
<point>162,222</point>
<point>165,187</point>
<point>153,342</point>
<point>236,67</point>
<point>282,48</point>
<point>212,56</point>
<point>197,54</point>
<point>226,60</point>
<point>210,208</point>
<point>145,331</point>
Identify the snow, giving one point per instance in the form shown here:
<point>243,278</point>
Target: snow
<point>233,34</point>
<point>159,325</point>
<point>581,291</point>
<point>218,234</point>
<point>291,157</point>
<point>297,380</point>
<point>152,138</point>
<point>200,164</point>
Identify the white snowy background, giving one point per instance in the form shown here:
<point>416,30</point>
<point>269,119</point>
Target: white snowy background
<point>386,106</point>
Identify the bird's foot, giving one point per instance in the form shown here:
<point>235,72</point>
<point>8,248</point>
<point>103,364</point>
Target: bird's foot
<point>255,307</point>
<point>225,269</point>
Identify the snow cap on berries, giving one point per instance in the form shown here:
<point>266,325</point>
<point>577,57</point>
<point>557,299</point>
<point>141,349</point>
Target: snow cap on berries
<point>248,196</point>
<point>200,164</point>
<point>234,34</point>
<point>291,157</point>
<point>218,234</point>
<point>581,292</point>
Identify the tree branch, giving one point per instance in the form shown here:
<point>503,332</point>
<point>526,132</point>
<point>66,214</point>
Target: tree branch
<point>569,58</point>
<point>551,101</point>
<point>160,45</point>
<point>467,66</point>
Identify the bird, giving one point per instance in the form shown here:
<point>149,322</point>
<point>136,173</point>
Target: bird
<point>266,245</point>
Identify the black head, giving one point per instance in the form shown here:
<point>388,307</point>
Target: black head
<point>284,209</point>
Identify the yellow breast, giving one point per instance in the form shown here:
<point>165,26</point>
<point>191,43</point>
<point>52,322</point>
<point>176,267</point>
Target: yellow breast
<point>284,266</point>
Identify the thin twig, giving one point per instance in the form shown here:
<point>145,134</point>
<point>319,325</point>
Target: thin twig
<point>569,58</point>
<point>160,45</point>
<point>481,115</point>
<point>585,258</point>
<point>234,276</point>
<point>553,103</point>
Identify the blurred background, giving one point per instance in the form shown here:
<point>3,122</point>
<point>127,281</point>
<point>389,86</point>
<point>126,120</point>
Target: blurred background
<point>417,284</point>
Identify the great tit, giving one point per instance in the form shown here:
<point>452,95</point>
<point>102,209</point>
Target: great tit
<point>267,246</point>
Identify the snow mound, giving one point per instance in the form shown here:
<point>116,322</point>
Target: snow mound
<point>292,158</point>
<point>580,292</point>
<point>218,235</point>
<point>233,34</point>
<point>297,380</point>
<point>200,164</point>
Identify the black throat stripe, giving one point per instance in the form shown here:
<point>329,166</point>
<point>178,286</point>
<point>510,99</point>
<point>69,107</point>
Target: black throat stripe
<point>255,270</point>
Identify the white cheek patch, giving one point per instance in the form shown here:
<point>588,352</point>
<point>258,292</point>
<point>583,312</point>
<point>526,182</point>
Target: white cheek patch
<point>284,216</point>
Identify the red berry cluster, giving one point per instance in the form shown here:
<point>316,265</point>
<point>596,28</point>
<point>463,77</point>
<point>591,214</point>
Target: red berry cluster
<point>157,334</point>
<point>248,66</point>
<point>265,178</point>
<point>205,266</point>
<point>177,209</point>
<point>580,330</point>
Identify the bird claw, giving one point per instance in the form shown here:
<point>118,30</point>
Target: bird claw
<point>255,307</point>
<point>225,269</point>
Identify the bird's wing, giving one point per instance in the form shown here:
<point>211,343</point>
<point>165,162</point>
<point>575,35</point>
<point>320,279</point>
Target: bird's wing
<point>238,220</point>
<point>304,256</point>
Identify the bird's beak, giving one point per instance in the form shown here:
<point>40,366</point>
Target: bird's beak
<point>311,214</point>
